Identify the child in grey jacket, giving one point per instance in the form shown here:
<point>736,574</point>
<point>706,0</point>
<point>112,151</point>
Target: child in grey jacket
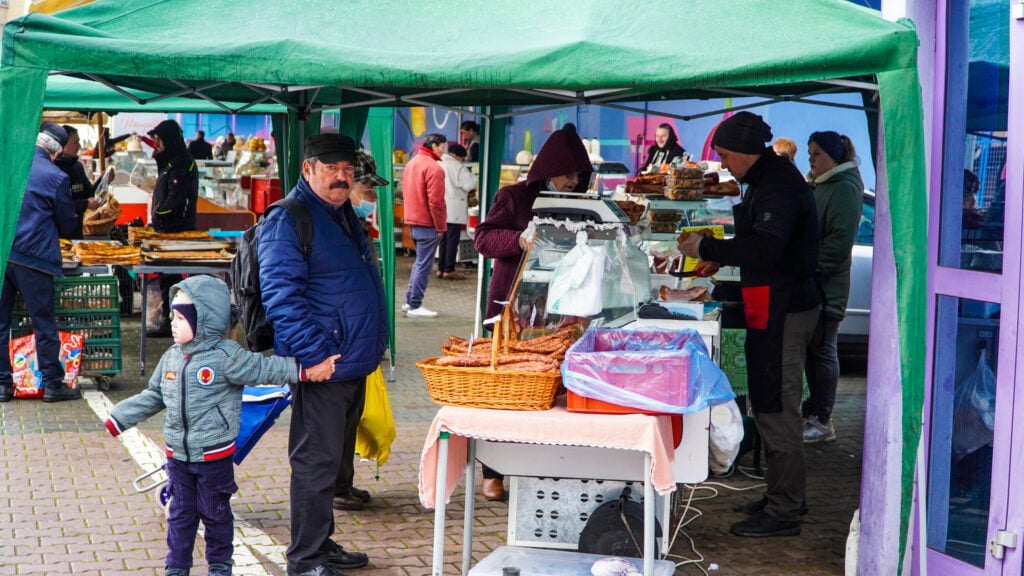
<point>199,382</point>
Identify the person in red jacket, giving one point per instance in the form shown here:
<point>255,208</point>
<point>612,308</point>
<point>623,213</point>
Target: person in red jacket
<point>427,215</point>
<point>561,165</point>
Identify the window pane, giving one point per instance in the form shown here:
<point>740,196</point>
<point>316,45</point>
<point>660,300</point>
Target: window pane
<point>974,171</point>
<point>963,409</point>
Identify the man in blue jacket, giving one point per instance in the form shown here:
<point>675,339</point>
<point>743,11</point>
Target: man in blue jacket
<point>47,213</point>
<point>327,302</point>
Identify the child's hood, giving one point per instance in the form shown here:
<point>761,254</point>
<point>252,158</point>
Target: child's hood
<point>213,305</point>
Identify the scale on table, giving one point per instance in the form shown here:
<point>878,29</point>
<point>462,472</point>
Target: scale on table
<point>578,206</point>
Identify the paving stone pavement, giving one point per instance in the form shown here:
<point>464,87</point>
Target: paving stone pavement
<point>67,504</point>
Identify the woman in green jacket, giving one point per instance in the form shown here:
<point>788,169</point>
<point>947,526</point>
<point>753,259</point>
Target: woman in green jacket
<point>839,195</point>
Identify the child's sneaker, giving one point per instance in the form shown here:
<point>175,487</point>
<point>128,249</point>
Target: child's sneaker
<point>421,312</point>
<point>220,569</point>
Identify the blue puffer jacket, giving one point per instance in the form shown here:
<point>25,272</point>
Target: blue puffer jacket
<point>332,303</point>
<point>46,213</point>
<point>200,382</point>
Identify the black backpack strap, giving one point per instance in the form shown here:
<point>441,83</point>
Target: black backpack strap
<point>303,222</point>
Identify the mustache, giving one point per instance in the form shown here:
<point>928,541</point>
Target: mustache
<point>339,184</point>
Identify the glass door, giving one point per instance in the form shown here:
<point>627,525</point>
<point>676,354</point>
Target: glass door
<point>971,401</point>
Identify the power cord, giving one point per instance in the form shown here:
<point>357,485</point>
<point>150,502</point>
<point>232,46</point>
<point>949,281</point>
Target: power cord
<point>712,488</point>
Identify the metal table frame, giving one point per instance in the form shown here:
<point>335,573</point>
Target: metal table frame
<point>467,541</point>
<point>166,269</point>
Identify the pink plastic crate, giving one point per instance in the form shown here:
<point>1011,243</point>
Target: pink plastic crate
<point>652,363</point>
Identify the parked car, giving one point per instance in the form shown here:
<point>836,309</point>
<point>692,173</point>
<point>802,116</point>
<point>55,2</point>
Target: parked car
<point>854,329</point>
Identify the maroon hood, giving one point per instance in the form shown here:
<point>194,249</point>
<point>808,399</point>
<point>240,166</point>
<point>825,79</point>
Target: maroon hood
<point>562,154</point>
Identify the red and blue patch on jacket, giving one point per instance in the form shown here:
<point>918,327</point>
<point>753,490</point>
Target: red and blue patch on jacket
<point>205,376</point>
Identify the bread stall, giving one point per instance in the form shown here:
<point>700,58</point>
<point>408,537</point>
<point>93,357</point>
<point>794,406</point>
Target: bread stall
<point>639,389</point>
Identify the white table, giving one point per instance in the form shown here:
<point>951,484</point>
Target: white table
<point>633,447</point>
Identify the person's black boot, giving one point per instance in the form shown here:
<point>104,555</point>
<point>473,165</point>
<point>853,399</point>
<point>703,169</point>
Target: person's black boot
<point>6,393</point>
<point>761,525</point>
<point>61,394</point>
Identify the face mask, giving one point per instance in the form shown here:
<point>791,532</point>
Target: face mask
<point>364,209</point>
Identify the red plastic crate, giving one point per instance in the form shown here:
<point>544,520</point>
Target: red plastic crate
<point>577,403</point>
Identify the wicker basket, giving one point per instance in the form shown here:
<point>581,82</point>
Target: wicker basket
<point>101,222</point>
<point>485,387</point>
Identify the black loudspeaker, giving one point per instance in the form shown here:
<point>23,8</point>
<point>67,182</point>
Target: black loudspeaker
<point>616,528</point>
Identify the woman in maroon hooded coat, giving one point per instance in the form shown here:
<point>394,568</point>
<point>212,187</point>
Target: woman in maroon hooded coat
<point>561,165</point>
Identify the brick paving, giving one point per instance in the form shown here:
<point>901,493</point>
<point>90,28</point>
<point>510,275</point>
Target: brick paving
<point>67,505</point>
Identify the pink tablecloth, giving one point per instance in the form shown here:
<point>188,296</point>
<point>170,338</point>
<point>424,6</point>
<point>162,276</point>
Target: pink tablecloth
<point>557,427</point>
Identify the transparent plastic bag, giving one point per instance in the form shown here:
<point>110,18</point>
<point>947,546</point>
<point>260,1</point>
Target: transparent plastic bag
<point>576,283</point>
<point>974,403</point>
<point>665,371</point>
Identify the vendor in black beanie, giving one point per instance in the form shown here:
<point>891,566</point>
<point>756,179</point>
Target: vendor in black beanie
<point>776,249</point>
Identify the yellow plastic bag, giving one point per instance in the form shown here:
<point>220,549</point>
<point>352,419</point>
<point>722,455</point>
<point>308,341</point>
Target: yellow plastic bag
<point>376,430</point>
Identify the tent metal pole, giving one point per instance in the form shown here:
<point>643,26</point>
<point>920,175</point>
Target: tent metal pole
<point>483,204</point>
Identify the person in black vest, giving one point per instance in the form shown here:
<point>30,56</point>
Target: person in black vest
<point>174,202</point>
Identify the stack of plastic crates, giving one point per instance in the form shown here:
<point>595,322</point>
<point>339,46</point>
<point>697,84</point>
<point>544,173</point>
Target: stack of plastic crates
<point>86,305</point>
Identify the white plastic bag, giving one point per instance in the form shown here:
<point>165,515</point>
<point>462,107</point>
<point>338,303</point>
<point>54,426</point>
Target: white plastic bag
<point>726,436</point>
<point>576,283</point>
<point>974,405</point>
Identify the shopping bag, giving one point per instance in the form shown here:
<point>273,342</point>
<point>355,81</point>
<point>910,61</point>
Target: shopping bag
<point>376,429</point>
<point>28,380</point>
<point>261,405</point>
<point>576,287</point>
<point>974,404</point>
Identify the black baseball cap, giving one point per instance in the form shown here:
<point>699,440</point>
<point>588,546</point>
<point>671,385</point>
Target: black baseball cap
<point>55,131</point>
<point>331,148</point>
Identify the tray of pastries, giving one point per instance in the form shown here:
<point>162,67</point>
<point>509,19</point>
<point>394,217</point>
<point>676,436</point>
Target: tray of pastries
<point>138,234</point>
<point>104,252</point>
<point>188,257</point>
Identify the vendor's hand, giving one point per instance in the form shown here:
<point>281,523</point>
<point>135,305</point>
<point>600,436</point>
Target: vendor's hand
<point>93,203</point>
<point>691,246</point>
<point>526,236</point>
<point>322,371</point>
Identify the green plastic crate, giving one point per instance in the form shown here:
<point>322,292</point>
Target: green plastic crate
<point>101,357</point>
<point>82,294</point>
<point>91,325</point>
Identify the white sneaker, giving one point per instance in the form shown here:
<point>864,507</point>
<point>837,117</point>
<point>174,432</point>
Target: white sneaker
<point>816,431</point>
<point>405,308</point>
<point>421,312</point>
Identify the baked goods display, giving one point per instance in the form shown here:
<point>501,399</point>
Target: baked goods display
<point>136,234</point>
<point>664,221</point>
<point>685,183</point>
<point>553,345</point>
<point>89,253</point>
<point>633,210</point>
<point>646,184</point>
<point>727,188</point>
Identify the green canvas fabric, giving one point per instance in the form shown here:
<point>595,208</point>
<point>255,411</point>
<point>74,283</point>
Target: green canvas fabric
<point>450,52</point>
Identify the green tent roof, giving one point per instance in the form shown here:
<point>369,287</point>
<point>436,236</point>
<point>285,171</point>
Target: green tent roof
<point>67,93</point>
<point>311,54</point>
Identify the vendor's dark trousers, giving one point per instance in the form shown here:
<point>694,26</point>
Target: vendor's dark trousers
<point>200,491</point>
<point>347,470</point>
<point>449,249</point>
<point>822,369</point>
<point>782,432</point>
<point>36,289</point>
<point>316,445</point>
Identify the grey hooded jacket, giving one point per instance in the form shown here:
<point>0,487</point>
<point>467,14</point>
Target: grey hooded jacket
<point>200,382</point>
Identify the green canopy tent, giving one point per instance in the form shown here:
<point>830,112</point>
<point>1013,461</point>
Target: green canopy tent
<point>314,55</point>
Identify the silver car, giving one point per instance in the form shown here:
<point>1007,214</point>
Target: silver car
<point>854,329</point>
